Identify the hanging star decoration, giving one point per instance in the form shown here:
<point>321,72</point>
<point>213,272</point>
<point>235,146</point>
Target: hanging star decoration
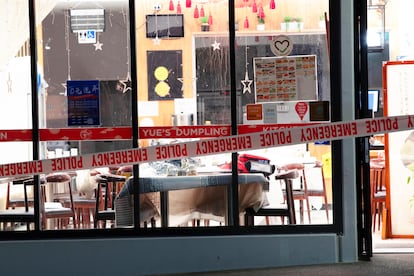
<point>98,46</point>
<point>125,85</point>
<point>181,80</point>
<point>216,45</point>
<point>246,84</point>
<point>9,85</point>
<point>156,40</point>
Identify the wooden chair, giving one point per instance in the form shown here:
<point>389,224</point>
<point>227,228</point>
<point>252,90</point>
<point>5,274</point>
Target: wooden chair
<point>12,201</point>
<point>300,194</point>
<point>56,209</point>
<point>287,177</point>
<point>105,198</point>
<point>378,192</point>
<point>17,214</point>
<point>83,203</point>
<point>318,190</point>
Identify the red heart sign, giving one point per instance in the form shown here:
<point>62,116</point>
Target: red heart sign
<point>301,108</point>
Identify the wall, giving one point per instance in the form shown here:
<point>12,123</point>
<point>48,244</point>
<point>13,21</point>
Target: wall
<point>219,12</point>
<point>153,256</point>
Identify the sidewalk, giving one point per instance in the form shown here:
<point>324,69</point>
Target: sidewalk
<point>381,264</point>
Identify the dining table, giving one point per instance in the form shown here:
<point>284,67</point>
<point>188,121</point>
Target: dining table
<point>180,199</point>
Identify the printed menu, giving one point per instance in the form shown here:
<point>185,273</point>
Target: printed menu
<point>288,78</point>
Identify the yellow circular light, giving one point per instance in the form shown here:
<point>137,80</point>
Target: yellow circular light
<point>162,89</point>
<point>161,73</point>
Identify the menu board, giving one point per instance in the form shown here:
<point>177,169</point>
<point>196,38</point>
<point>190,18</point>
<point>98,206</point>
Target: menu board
<point>289,78</point>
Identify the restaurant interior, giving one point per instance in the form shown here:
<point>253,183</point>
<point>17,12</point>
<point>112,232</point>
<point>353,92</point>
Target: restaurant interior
<point>193,83</point>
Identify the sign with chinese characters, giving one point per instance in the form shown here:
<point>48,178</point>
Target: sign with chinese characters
<point>83,103</point>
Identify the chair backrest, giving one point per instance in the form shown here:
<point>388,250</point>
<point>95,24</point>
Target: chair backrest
<point>17,192</point>
<point>57,189</point>
<point>314,177</point>
<point>377,178</point>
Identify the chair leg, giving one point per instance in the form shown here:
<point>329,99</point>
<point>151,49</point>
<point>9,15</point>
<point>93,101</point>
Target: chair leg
<point>326,207</point>
<point>309,210</point>
<point>373,215</point>
<point>301,211</point>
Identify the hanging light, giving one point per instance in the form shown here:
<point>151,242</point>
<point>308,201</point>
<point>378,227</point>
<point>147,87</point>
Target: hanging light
<point>272,4</point>
<point>171,7</point>
<point>246,23</point>
<point>254,6</point>
<point>210,20</point>
<point>202,11</point>
<point>179,7</point>
<point>196,14</point>
<point>188,3</point>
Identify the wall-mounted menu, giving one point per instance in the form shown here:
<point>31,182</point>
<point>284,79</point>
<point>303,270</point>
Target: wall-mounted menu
<point>289,78</point>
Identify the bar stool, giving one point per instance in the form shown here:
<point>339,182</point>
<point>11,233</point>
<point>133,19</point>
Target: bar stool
<point>287,177</point>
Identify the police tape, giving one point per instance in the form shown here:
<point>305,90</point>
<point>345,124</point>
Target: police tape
<point>227,144</point>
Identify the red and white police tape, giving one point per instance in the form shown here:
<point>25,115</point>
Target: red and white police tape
<point>244,142</point>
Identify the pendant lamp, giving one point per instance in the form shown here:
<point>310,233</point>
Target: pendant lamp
<point>254,6</point>
<point>272,4</point>
<point>179,8</point>
<point>246,23</point>
<point>196,14</point>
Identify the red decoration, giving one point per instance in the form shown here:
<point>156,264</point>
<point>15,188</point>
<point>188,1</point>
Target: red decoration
<point>246,23</point>
<point>188,3</point>
<point>196,14</point>
<point>210,20</point>
<point>202,11</point>
<point>254,7</point>
<point>171,7</point>
<point>261,12</point>
<point>272,4</point>
<point>179,7</point>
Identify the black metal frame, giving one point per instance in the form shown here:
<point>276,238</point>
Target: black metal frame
<point>362,143</point>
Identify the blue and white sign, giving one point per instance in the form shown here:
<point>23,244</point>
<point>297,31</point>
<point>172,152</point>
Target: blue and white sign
<point>83,103</point>
<point>87,37</point>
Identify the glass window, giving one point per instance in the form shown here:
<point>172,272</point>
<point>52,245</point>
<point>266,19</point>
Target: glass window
<point>186,98</point>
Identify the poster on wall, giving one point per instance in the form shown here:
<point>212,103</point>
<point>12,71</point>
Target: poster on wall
<point>83,102</point>
<point>165,76</point>
<point>287,78</point>
<point>399,100</point>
